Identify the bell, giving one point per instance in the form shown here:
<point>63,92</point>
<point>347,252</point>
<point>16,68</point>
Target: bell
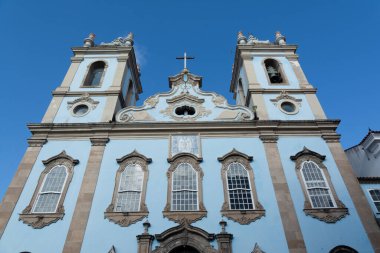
<point>274,75</point>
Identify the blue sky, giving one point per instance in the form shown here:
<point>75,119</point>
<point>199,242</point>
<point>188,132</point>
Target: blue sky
<point>338,47</point>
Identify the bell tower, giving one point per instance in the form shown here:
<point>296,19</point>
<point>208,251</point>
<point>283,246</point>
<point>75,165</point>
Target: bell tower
<point>268,78</point>
<point>101,80</point>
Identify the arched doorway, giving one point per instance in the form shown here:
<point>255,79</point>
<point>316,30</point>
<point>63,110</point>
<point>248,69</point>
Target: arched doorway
<point>184,249</point>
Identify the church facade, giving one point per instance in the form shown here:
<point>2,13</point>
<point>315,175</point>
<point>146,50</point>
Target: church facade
<point>186,171</point>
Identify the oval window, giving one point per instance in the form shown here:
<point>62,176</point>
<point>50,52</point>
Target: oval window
<point>80,110</point>
<point>288,107</point>
<point>185,110</point>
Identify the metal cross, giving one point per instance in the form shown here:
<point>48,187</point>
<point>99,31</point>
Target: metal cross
<point>185,58</point>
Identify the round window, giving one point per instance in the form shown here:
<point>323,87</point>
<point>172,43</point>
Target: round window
<point>288,107</point>
<point>185,110</point>
<point>80,110</point>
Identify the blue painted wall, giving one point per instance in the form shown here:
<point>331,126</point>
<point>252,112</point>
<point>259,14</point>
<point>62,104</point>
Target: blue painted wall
<point>320,236</point>
<point>101,234</point>
<point>20,237</point>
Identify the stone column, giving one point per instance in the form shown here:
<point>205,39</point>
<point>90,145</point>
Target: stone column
<point>355,191</point>
<point>288,214</point>
<point>17,185</point>
<point>82,210</point>
<point>145,243</point>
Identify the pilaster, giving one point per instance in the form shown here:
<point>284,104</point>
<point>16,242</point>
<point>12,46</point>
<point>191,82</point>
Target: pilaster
<point>145,241</point>
<point>252,98</point>
<point>293,60</point>
<point>82,210</point>
<point>17,185</point>
<point>116,86</point>
<point>355,191</point>
<point>288,214</point>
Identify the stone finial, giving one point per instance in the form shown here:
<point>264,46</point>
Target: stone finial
<point>280,39</point>
<point>251,39</point>
<point>129,39</point>
<point>223,225</point>
<point>241,38</point>
<point>89,41</point>
<point>146,226</point>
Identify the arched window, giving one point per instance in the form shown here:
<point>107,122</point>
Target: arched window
<point>239,188</point>
<point>46,205</point>
<point>321,200</point>
<point>184,188</point>
<point>343,249</point>
<point>240,198</point>
<point>95,74</point>
<point>185,194</point>
<point>316,185</point>
<point>273,71</point>
<point>128,199</point>
<point>51,190</point>
<point>130,187</point>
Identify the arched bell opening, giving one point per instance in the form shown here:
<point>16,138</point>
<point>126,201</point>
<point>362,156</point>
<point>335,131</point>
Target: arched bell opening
<point>184,249</point>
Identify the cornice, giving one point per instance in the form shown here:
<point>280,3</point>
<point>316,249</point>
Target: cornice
<point>91,93</point>
<point>253,127</point>
<point>101,50</point>
<point>276,91</point>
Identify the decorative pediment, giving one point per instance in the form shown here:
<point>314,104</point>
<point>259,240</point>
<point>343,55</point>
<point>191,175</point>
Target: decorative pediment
<point>285,96</point>
<point>234,152</point>
<point>132,155</point>
<point>84,99</point>
<point>61,155</point>
<point>257,249</point>
<point>307,152</point>
<point>185,102</point>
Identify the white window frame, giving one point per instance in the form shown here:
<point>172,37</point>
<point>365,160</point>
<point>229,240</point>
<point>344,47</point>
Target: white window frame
<point>141,187</point>
<point>250,187</point>
<point>184,190</point>
<point>42,186</point>
<point>308,188</point>
<point>374,201</point>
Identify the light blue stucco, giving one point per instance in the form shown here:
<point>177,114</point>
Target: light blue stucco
<point>274,113</point>
<point>366,188</point>
<point>318,235</point>
<point>111,62</point>
<point>124,238</point>
<point>261,75</point>
<point>20,237</point>
<point>64,114</point>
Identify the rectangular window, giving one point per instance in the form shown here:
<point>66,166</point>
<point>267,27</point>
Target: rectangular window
<point>375,195</point>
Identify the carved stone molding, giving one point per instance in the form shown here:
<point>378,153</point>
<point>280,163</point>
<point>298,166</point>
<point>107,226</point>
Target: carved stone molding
<point>178,79</point>
<point>99,141</point>
<point>185,235</point>
<point>185,216</point>
<point>329,214</point>
<point>331,137</point>
<point>85,99</point>
<point>257,249</point>
<point>243,217</point>
<point>269,138</point>
<point>40,220</point>
<point>125,219</point>
<point>285,97</point>
<point>37,142</point>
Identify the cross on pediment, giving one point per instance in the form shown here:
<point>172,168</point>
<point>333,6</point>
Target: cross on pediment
<point>185,58</point>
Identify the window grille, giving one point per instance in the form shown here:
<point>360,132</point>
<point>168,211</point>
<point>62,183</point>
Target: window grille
<point>130,187</point>
<point>239,189</point>
<point>185,188</point>
<point>316,186</point>
<point>375,195</point>
<point>51,190</point>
